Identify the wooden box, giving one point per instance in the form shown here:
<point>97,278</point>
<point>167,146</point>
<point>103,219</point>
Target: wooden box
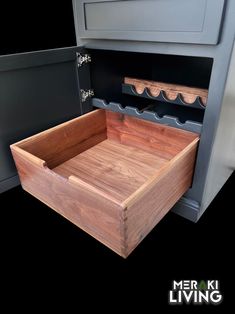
<point>114,176</point>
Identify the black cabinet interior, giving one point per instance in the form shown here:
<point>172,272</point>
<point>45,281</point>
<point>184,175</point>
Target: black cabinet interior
<point>108,69</point>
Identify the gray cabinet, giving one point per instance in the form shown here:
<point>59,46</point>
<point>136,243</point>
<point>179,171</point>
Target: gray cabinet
<point>188,42</point>
<point>180,21</point>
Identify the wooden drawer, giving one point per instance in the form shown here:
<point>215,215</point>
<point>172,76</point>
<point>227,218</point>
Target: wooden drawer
<point>112,175</point>
<point>181,21</point>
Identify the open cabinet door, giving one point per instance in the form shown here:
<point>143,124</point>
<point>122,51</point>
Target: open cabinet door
<point>37,90</point>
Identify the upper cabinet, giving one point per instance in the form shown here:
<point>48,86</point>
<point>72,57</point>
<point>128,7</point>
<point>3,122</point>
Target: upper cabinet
<point>176,21</point>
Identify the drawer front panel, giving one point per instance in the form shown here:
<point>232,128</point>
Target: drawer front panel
<point>183,21</point>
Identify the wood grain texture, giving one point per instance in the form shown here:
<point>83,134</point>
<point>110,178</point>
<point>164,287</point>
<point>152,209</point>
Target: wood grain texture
<point>68,139</point>
<point>164,141</point>
<point>116,189</point>
<point>116,170</point>
<point>152,202</point>
<point>189,94</point>
<point>92,212</point>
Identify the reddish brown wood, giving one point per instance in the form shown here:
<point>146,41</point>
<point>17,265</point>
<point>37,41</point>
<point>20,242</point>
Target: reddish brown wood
<point>189,94</point>
<point>159,197</point>
<point>116,185</point>
<point>163,141</point>
<point>115,169</point>
<point>68,139</point>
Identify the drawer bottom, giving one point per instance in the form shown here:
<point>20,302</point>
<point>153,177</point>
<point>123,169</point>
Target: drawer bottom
<point>112,169</point>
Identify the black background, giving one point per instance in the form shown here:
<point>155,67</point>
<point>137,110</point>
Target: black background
<point>45,258</point>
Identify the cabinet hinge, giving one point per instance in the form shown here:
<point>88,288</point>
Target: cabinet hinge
<point>86,93</point>
<point>83,59</point>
